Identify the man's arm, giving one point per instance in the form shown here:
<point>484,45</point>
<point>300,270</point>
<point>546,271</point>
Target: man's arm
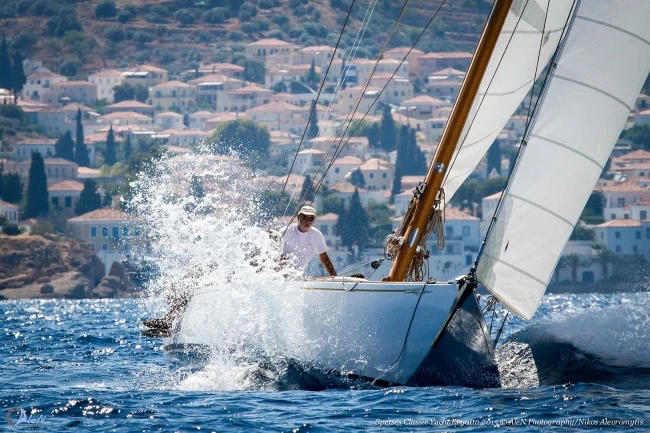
<point>327,264</point>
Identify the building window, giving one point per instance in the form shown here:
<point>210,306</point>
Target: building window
<point>104,247</point>
<point>125,232</point>
<point>617,249</point>
<point>115,233</point>
<point>643,215</point>
<point>68,201</point>
<point>337,170</point>
<point>372,175</point>
<point>635,248</point>
<point>638,234</point>
<point>620,202</point>
<point>617,235</point>
<point>383,175</point>
<point>136,231</point>
<point>55,201</point>
<point>104,232</point>
<point>449,231</point>
<point>450,249</point>
<point>465,230</point>
<point>93,232</point>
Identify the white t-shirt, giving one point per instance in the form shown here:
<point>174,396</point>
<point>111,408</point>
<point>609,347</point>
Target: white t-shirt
<point>300,247</point>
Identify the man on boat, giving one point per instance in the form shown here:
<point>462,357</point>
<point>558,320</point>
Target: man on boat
<point>301,241</point>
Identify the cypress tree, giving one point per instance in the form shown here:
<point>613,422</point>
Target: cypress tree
<point>89,199</point>
<point>387,130</point>
<point>5,65</point>
<point>494,158</point>
<point>128,148</point>
<point>418,159</point>
<point>64,147</point>
<point>354,226</point>
<point>18,78</point>
<point>307,192</point>
<point>312,132</point>
<point>111,155</point>
<point>81,151</point>
<point>37,196</point>
<point>12,188</point>
<point>373,135</point>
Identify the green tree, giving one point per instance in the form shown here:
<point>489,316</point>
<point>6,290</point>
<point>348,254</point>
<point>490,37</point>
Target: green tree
<point>37,196</point>
<point>243,136</point>
<point>105,9</point>
<point>639,136</point>
<point>81,151</point>
<point>373,133</point>
<point>89,199</point>
<point>254,71</point>
<point>354,224</point>
<point>128,148</point>
<point>18,78</point>
<point>494,158</point>
<point>5,65</point>
<point>312,76</point>
<point>573,261</point>
<point>357,179</point>
<point>12,188</point>
<point>64,147</point>
<point>594,208</point>
<point>110,157</point>
<point>312,131</point>
<point>307,192</point>
<point>387,130</point>
<point>605,257</point>
<point>331,204</point>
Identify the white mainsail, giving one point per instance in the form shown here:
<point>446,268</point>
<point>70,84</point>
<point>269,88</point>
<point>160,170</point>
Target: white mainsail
<point>527,41</point>
<point>605,60</point>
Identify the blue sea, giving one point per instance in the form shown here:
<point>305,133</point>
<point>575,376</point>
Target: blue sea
<point>84,366</point>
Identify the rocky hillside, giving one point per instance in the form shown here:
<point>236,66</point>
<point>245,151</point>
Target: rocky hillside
<point>55,268</point>
<point>79,36</point>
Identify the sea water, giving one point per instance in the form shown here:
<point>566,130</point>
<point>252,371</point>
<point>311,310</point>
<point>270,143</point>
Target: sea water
<point>583,362</point>
<point>83,365</point>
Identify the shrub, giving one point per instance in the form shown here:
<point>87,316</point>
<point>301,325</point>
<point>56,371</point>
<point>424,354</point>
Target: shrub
<point>276,34</point>
<point>244,16</point>
<point>124,16</point>
<point>43,8</point>
<point>185,16</point>
<point>265,4</point>
<point>43,228</point>
<point>11,230</point>
<point>280,19</point>
<point>154,18</point>
<point>69,68</point>
<point>165,56</point>
<point>250,27</point>
<point>250,8</point>
<point>215,16</point>
<point>235,35</point>
<point>142,37</point>
<point>114,34</point>
<point>105,9</point>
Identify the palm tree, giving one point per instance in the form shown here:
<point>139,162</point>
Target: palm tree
<point>605,257</point>
<point>573,261</point>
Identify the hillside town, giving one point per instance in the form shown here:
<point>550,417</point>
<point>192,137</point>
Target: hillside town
<point>417,92</point>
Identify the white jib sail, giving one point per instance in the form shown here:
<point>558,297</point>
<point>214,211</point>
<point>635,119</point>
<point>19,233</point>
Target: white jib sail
<point>602,68</point>
<point>520,55</point>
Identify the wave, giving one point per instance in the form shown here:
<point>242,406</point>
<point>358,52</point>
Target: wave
<point>608,345</point>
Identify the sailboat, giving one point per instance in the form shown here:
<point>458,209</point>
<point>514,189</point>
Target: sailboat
<point>403,331</point>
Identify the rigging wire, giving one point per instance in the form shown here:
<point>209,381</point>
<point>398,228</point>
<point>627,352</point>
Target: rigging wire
<point>314,107</point>
<point>522,146</point>
<point>339,85</point>
<point>352,112</point>
<point>319,184</point>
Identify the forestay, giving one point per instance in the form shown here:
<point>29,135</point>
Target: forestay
<point>599,75</point>
<point>527,41</point>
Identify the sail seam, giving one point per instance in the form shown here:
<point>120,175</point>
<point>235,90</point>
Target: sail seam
<point>514,268</point>
<point>596,89</point>
<point>577,152</point>
<point>620,29</point>
<point>531,32</point>
<point>545,209</point>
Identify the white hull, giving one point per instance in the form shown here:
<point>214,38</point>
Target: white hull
<point>391,333</point>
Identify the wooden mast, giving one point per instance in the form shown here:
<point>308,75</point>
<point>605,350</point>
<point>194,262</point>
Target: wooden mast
<point>449,141</point>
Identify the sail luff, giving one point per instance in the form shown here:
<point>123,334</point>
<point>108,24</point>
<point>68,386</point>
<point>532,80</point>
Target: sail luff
<point>603,65</point>
<point>449,141</point>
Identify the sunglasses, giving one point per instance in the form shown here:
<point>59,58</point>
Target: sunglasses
<point>308,218</point>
